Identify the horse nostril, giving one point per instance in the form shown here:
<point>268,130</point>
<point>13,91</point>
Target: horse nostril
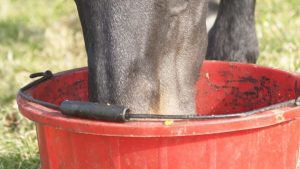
<point>175,7</point>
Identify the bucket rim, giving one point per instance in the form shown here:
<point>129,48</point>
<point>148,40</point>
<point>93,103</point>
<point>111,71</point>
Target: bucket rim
<point>54,118</point>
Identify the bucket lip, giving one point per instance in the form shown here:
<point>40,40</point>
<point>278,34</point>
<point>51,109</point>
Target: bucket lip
<point>49,117</point>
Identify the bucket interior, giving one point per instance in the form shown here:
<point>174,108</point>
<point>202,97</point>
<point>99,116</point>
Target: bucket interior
<point>222,88</point>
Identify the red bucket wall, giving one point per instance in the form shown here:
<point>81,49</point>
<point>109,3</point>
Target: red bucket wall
<point>275,147</point>
<point>231,88</point>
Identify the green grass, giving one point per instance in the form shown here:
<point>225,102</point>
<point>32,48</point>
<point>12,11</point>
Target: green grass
<point>37,35</point>
<point>278,32</point>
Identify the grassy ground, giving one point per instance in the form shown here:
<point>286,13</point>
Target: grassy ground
<point>37,35</point>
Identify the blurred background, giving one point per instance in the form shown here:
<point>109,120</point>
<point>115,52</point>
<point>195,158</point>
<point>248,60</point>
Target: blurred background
<point>36,35</point>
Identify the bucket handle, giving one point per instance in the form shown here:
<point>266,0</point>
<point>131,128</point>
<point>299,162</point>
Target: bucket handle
<point>114,113</point>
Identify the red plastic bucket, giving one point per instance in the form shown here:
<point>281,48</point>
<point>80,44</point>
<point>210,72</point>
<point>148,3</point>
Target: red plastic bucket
<point>262,141</point>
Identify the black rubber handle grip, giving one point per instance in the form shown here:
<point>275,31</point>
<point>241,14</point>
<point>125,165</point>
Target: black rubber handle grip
<point>94,111</point>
